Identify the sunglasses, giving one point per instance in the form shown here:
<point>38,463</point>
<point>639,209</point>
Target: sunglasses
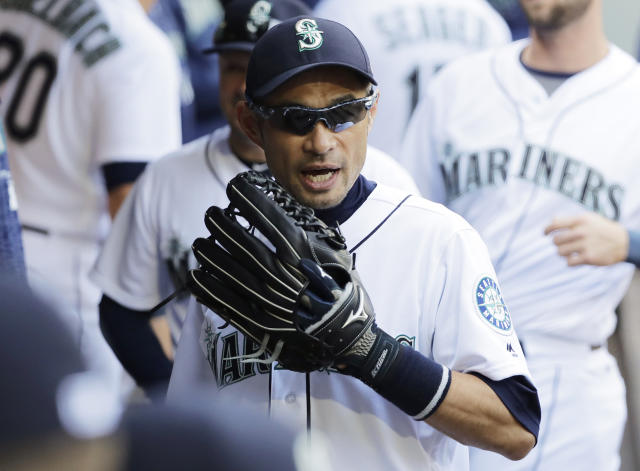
<point>301,120</point>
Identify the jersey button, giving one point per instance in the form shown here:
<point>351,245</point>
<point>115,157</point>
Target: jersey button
<point>290,398</point>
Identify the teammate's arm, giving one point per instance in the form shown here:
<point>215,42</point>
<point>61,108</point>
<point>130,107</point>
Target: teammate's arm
<point>594,240</point>
<point>126,271</point>
<point>117,197</point>
<point>119,178</point>
<point>128,332</point>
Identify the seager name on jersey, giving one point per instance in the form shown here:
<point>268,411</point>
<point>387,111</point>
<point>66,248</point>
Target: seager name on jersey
<point>411,24</point>
<point>79,20</point>
<point>464,172</point>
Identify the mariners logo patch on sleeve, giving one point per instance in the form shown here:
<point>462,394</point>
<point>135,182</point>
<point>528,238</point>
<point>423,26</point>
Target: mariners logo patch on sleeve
<point>491,306</point>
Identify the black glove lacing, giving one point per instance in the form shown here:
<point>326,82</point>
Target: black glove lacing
<point>302,215</point>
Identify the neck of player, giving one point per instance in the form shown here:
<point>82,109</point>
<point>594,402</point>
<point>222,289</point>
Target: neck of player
<point>571,48</point>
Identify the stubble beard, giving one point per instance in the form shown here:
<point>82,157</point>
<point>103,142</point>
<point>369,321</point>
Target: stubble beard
<point>558,16</point>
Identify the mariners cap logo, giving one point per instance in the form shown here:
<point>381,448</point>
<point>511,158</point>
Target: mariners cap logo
<point>259,19</point>
<point>491,306</point>
<point>311,36</point>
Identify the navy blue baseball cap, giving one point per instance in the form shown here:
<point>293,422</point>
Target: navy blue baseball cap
<point>300,44</point>
<point>245,21</point>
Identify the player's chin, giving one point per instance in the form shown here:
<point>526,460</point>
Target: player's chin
<point>321,199</point>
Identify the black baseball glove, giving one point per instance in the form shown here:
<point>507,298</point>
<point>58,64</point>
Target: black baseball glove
<point>291,288</point>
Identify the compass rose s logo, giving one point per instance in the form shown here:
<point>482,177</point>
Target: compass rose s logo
<point>491,306</point>
<point>311,36</point>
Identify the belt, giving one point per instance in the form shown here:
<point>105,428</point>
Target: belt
<point>43,231</point>
<point>38,230</point>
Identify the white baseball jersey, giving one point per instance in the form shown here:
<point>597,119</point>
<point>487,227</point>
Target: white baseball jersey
<point>508,158</point>
<point>407,42</point>
<point>148,251</point>
<point>83,83</point>
<point>82,89</point>
<point>492,144</point>
<point>433,287</point>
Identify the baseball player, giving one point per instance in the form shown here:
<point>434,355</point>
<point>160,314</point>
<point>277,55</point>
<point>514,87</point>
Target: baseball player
<point>511,139</point>
<point>147,253</point>
<point>408,41</point>
<point>89,94</point>
<point>460,375</point>
<point>11,253</point>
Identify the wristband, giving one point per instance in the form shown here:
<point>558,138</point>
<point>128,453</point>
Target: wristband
<point>414,383</point>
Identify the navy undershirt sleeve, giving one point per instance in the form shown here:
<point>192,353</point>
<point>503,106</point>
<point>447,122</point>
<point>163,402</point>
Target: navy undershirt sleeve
<point>130,336</point>
<point>634,248</point>
<point>119,173</point>
<point>520,397</point>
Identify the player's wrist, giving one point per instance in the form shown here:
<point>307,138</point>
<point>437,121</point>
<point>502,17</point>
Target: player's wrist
<point>414,383</point>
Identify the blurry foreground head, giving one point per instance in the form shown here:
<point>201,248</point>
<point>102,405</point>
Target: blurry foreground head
<point>56,416</point>
<point>53,411</point>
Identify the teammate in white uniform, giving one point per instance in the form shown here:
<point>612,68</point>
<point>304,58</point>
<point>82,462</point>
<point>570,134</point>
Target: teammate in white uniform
<point>408,41</point>
<point>427,272</point>
<point>148,251</point>
<point>509,155</point>
<point>89,94</point>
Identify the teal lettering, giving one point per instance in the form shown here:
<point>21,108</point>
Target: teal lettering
<point>545,168</point>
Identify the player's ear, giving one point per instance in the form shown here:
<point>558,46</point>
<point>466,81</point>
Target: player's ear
<point>372,113</point>
<point>249,123</point>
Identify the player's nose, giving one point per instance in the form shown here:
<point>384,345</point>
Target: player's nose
<point>320,140</point>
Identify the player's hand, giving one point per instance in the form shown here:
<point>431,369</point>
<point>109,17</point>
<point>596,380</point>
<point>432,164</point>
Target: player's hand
<point>589,239</point>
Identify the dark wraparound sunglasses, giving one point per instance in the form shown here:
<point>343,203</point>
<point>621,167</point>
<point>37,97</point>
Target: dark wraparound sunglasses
<point>301,120</point>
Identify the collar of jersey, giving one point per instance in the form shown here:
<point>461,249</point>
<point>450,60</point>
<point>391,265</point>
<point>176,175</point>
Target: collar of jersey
<point>356,196</point>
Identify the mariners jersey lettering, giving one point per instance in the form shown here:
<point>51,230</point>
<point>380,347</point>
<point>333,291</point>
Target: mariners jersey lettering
<point>412,269</point>
<point>467,171</point>
<point>511,158</point>
<point>417,37</point>
<point>78,91</point>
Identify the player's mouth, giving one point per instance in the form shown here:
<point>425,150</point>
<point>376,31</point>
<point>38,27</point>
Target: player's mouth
<point>317,179</point>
